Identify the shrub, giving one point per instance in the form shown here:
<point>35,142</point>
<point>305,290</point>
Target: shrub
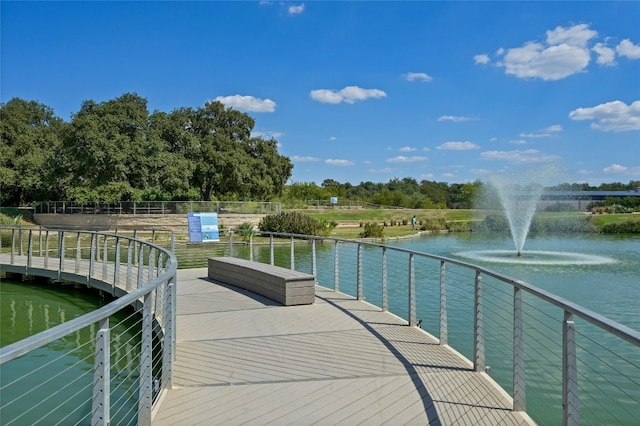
<point>434,224</point>
<point>628,227</point>
<point>295,223</point>
<point>372,230</point>
<point>245,229</point>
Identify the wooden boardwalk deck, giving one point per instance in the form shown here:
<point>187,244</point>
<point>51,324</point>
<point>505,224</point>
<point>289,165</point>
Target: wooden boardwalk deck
<point>244,360</point>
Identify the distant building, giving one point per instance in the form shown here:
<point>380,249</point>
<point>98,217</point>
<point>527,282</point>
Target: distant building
<point>581,199</point>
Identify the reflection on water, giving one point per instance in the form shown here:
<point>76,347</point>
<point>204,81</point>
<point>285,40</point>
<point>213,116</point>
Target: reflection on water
<point>57,379</point>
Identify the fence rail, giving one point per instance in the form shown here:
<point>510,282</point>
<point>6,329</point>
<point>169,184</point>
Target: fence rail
<point>156,207</point>
<point>124,378</point>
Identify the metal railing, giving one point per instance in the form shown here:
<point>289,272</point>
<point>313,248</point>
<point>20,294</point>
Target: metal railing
<point>156,207</point>
<point>559,361</point>
<point>83,371</point>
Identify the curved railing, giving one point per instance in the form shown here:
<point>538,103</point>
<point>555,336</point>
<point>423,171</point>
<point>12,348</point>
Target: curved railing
<point>561,359</point>
<point>125,378</point>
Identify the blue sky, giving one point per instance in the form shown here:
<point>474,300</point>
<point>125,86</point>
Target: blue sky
<point>359,91</point>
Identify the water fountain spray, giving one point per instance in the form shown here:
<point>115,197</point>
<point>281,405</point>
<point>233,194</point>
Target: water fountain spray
<point>519,192</point>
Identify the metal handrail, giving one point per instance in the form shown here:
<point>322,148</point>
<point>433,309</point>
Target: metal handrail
<point>569,351</point>
<point>154,297</point>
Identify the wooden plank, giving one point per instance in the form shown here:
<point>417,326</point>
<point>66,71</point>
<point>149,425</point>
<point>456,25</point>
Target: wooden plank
<point>246,361</point>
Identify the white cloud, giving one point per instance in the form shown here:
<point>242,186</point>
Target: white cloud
<point>336,162</point>
<point>482,59</point>
<point>350,95</point>
<point>403,159</point>
<point>548,63</point>
<point>564,53</point>
<point>298,159</point>
<point>332,138</point>
<point>407,149</point>
<point>622,170</point>
<point>454,118</point>
<point>412,76</point>
<point>518,142</point>
<point>247,103</point>
<point>613,116</point>
<point>458,146</point>
<point>606,55</point>
<point>578,35</point>
<point>628,49</point>
<point>544,133</point>
<point>518,157</point>
<point>554,128</point>
<point>296,9</point>
<point>266,134</point>
<point>615,168</point>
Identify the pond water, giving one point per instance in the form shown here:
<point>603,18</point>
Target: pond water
<point>611,287</point>
<point>29,308</point>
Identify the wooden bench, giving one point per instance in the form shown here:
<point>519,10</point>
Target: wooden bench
<point>283,285</point>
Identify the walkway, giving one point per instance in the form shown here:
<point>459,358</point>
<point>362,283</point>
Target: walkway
<point>242,359</point>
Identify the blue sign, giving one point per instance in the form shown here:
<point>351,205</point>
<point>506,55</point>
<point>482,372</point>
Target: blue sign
<point>203,227</point>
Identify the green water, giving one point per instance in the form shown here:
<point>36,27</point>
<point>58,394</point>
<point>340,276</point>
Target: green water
<point>57,379</point>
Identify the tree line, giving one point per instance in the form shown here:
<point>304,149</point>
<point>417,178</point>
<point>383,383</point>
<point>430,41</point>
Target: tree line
<point>118,151</point>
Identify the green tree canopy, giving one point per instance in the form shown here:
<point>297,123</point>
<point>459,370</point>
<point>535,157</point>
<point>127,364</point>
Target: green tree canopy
<point>29,140</point>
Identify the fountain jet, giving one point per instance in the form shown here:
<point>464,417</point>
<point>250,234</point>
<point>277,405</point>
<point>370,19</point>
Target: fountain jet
<point>519,193</point>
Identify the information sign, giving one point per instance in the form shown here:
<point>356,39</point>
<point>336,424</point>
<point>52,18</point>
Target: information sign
<point>203,227</point>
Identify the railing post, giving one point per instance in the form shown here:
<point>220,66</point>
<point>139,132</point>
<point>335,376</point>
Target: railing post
<point>251,246</point>
<point>478,326</point>
<point>116,265</point>
<point>101,405</point>
<point>20,240</point>
<point>360,289</point>
<point>230,243</point>
<point>271,251</point>
<point>105,257</point>
<point>146,388</point>
<point>92,251</point>
<point>60,252</point>
<point>412,292</point>
<point>570,399</point>
<point>385,289</point>
<point>314,264</point>
<point>40,241</point>
<point>130,250</point>
<point>46,249</point>
<point>13,245</point>
<point>444,339</point>
<point>78,253</point>
<point>336,269</point>
<point>151,263</point>
<point>29,249</point>
<point>140,265</point>
<point>168,347</point>
<point>292,254</point>
<point>519,379</point>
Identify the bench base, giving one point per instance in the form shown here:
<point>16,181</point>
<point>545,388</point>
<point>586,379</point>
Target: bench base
<point>282,285</point>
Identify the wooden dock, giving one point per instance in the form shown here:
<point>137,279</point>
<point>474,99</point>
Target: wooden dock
<point>245,360</point>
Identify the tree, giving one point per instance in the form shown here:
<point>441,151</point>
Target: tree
<point>29,139</point>
<point>108,151</point>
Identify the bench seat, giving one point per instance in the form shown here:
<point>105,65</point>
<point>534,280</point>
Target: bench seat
<point>282,285</point>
